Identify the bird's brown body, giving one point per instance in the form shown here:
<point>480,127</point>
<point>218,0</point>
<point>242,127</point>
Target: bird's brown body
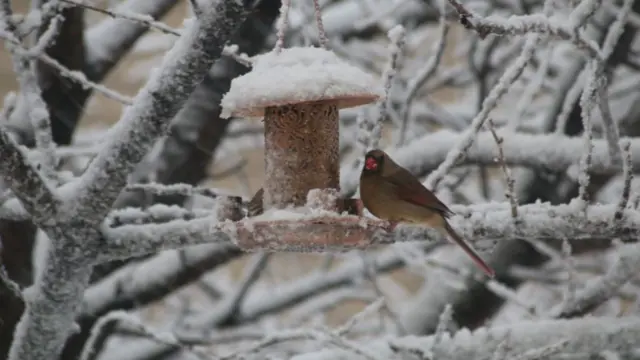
<point>392,193</point>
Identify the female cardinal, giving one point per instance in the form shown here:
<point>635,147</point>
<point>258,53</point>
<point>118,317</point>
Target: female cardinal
<point>392,193</point>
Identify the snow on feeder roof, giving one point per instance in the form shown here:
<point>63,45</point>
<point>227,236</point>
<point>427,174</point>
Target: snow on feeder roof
<point>299,75</point>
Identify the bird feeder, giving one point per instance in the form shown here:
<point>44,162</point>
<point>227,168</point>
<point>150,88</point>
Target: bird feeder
<point>299,92</point>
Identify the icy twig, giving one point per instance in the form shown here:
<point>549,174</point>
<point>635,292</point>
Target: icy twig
<point>396,46</point>
<point>544,351</point>
<point>524,24</point>
<point>35,194</point>
<point>599,290</point>
<point>30,91</point>
<point>48,36</point>
<point>489,103</point>
<point>55,298</point>
<point>157,213</point>
<point>567,106</point>
<point>587,103</point>
<point>531,90</point>
<point>375,307</point>
<point>445,320</point>
<point>423,75</point>
<point>181,189</point>
<point>616,29</point>
<point>510,295</point>
<point>140,283</point>
<point>282,25</point>
<point>611,131</point>
<point>511,193</point>
<point>228,311</point>
<point>627,173</point>
<point>499,289</point>
<point>569,265</point>
<point>70,74</point>
<point>371,275</point>
<point>550,152</point>
<point>322,36</point>
<point>146,281</point>
<point>149,117</point>
<point>588,336</point>
<point>303,289</point>
<point>336,233</point>
<point>331,299</point>
<point>126,323</point>
<point>148,21</point>
<point>195,8</point>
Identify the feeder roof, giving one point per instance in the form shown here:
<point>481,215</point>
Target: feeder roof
<point>298,75</point>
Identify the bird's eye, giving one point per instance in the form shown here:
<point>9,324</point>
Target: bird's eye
<point>371,164</point>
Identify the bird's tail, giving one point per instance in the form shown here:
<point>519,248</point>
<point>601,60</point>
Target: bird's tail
<point>469,250</point>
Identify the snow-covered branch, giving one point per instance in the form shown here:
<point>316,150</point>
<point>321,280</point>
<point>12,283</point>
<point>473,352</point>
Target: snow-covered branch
<point>37,197</point>
<point>185,65</point>
<point>601,289</point>
<point>330,233</point>
<point>550,152</point>
<point>123,222</point>
<point>579,337</point>
<point>104,50</point>
<point>56,296</point>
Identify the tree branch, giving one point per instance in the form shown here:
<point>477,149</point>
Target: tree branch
<point>580,337</point>
<point>23,178</point>
<point>57,293</point>
<point>331,233</point>
<point>185,65</point>
<point>545,152</point>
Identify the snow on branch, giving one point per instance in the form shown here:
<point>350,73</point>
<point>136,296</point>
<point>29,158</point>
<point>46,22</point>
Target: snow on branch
<point>148,21</point>
<point>104,49</point>
<point>545,152</point>
<point>578,337</point>
<point>290,231</point>
<point>525,24</point>
<point>603,288</point>
<point>184,67</point>
<point>55,298</point>
<point>141,283</point>
<point>37,197</point>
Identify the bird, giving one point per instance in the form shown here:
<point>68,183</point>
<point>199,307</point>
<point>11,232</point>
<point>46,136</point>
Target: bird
<point>390,192</point>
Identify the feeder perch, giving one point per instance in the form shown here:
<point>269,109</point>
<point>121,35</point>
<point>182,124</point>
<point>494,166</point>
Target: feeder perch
<point>299,91</point>
<point>321,233</point>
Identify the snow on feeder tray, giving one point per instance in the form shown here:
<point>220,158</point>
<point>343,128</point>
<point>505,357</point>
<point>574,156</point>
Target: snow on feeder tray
<point>299,91</point>
<point>303,228</point>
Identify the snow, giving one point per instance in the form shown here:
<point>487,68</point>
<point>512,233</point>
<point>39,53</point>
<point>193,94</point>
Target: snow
<point>322,199</point>
<point>302,74</point>
<point>481,220</point>
<point>292,214</point>
<point>396,33</point>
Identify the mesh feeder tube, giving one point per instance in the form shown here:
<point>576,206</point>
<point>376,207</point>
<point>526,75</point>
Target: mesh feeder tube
<point>299,92</point>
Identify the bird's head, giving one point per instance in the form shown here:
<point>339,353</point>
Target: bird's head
<point>374,161</point>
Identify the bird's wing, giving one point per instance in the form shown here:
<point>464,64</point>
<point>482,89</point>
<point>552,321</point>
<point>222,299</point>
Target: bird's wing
<point>409,189</point>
